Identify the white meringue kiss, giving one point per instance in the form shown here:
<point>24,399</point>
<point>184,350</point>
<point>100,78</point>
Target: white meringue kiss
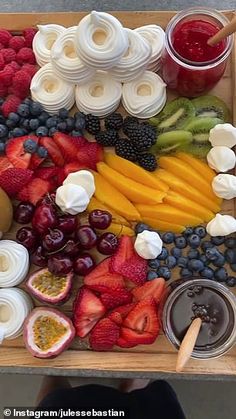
<point>51,91</point>
<point>224,186</point>
<point>101,96</point>
<point>221,158</point>
<point>72,199</point>
<point>148,244</point>
<point>101,40</point>
<point>66,63</point>
<point>145,96</point>
<point>223,135</point>
<point>82,178</point>
<point>221,225</point>
<point>44,40</point>
<point>134,61</point>
<point>155,36</point>
<point>14,263</point>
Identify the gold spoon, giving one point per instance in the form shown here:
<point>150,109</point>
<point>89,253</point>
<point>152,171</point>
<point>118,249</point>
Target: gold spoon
<point>227,30</point>
<point>188,343</point>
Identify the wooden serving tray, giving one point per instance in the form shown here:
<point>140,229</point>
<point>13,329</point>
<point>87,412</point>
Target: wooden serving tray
<point>153,360</point>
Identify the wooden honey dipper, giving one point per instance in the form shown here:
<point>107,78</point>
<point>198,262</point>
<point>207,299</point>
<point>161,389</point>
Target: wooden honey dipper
<point>227,30</point>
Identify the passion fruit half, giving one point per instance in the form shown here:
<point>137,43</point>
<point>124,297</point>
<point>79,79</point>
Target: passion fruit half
<point>50,288</point>
<point>47,332</point>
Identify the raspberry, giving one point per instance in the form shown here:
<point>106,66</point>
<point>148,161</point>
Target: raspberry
<point>25,55</point>
<point>29,34</point>
<point>6,75</point>
<point>8,54</point>
<point>16,43</point>
<point>30,69</point>
<point>15,66</point>
<point>10,105</point>
<point>5,37</point>
<point>1,46</point>
<point>21,83</point>
<point>3,91</point>
<point>2,62</point>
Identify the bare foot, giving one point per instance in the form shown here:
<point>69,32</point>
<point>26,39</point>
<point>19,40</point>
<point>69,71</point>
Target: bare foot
<point>129,385</point>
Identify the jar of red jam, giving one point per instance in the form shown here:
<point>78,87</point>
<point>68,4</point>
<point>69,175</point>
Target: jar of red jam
<point>189,65</point>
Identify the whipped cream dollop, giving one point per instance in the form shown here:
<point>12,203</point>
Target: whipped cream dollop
<point>224,186</point>
<point>82,178</point>
<point>72,199</point>
<point>221,158</point>
<point>14,263</point>
<point>44,40</point>
<point>101,96</point>
<point>101,40</point>
<point>221,225</point>
<point>223,135</point>
<point>155,36</point>
<point>148,244</point>
<point>134,61</point>
<point>51,91</point>
<point>15,306</point>
<point>65,60</point>
<point>145,96</point>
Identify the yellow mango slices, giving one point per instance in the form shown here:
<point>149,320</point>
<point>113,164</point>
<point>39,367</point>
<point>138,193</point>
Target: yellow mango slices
<point>165,212</point>
<point>183,203</point>
<point>118,230</point>
<point>116,218</point>
<point>200,166</point>
<point>163,225</point>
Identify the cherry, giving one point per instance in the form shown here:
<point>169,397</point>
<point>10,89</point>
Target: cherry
<point>39,258</point>
<point>44,218</point>
<point>71,248</point>
<point>53,240</point>
<point>24,212</point>
<point>107,243</point>
<point>83,264</point>
<point>86,237</point>
<point>67,224</point>
<point>27,237</point>
<point>60,265</point>
<point>100,219</point>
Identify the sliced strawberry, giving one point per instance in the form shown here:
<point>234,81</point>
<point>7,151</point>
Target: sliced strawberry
<point>35,161</point>
<point>116,298</point>
<point>5,164</point>
<point>154,289</point>
<point>101,280</point>
<point>53,150</point>
<point>35,190</point>
<point>73,167</point>
<point>67,145</point>
<point>130,338</point>
<point>143,319</point>
<point>90,154</point>
<point>124,252</point>
<point>119,313</point>
<point>104,335</point>
<point>13,180</point>
<point>16,153</point>
<point>87,309</point>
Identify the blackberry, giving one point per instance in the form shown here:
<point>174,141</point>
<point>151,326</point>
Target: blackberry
<point>129,123</point>
<point>107,138</point>
<point>143,136</point>
<point>114,121</point>
<point>92,124</point>
<point>124,148</point>
<point>147,161</point>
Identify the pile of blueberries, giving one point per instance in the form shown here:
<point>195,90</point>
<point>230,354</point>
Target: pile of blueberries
<point>193,255</point>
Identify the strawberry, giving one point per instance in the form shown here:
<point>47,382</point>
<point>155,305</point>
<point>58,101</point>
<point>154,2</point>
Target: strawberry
<point>35,190</point>
<point>5,164</point>
<point>101,280</point>
<point>87,309</point>
<point>124,252</point>
<point>53,150</point>
<point>13,180</point>
<point>35,161</point>
<point>67,145</point>
<point>53,174</point>
<point>73,167</point>
<point>104,335</point>
<point>16,153</point>
<point>154,289</point>
<point>90,154</point>
<point>116,298</point>
<point>119,313</point>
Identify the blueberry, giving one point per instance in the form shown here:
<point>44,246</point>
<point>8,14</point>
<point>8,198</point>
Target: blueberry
<point>51,122</point>
<point>195,265</point>
<point>206,245</point>
<point>18,132</point>
<point>2,147</point>
<point>176,252</point>
<point>34,124</point>
<point>76,133</point>
<point>233,267</point>
<point>3,131</point>
<point>154,263</point>
<point>194,240</point>
<point>168,237</point>
<point>230,242</point>
<point>42,152</point>
<point>188,231</point>
<point>10,123</point>
<point>63,113</point>
<point>30,146</point>
<point>193,254</point>
<point>36,108</point>
<point>185,272</point>
<point>52,131</point>
<point>27,101</point>
<point>164,272</point>
<point>221,275</point>
<point>207,273</point>
<point>182,262</point>
<point>42,131</point>
<point>218,240</point>
<point>43,117</point>
<point>171,262</point>
<point>151,275</point>
<point>61,126</point>
<point>220,261</point>
<point>79,121</point>
<point>212,253</point>
<point>200,231</point>
<point>70,123</point>
<point>230,281</point>
<point>23,110</point>
<point>140,227</point>
<point>180,242</point>
<point>10,134</point>
<point>163,255</point>
<point>230,255</point>
<point>26,124</point>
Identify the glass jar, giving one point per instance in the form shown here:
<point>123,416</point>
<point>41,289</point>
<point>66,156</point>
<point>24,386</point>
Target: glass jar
<point>194,77</point>
<point>218,331</point>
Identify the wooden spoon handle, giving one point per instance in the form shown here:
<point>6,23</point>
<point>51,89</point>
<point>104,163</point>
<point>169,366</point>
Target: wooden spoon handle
<point>188,343</point>
<point>223,33</point>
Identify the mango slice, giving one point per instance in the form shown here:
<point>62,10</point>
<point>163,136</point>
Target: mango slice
<point>110,196</point>
<point>200,166</point>
<point>163,225</point>
<point>118,230</point>
<point>178,185</point>
<point>179,201</point>
<point>132,190</point>
<point>116,218</point>
<point>135,172</point>
<point>168,213</point>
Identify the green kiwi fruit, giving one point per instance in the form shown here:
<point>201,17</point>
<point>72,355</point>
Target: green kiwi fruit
<point>174,115</point>
<point>200,128</point>
<point>171,141</point>
<point>212,107</point>
<point>199,150</point>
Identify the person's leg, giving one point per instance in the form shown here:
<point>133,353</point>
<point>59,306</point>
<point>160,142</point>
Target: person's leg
<point>50,384</point>
<point>136,384</point>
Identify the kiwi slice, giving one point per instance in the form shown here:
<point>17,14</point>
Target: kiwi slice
<point>171,142</point>
<point>174,115</point>
<point>200,128</point>
<point>199,150</point>
<point>210,106</point>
